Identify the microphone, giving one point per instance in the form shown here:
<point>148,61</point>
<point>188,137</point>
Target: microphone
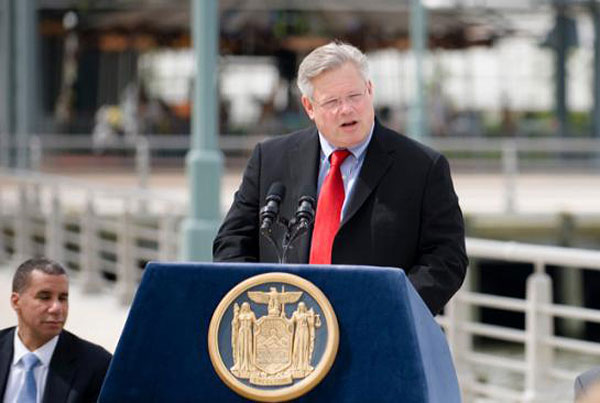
<point>303,218</point>
<point>269,213</point>
<point>305,214</point>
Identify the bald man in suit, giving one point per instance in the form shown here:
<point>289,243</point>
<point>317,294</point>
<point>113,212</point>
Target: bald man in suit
<point>67,369</point>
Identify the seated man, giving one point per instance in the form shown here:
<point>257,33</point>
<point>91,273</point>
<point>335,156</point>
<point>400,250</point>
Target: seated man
<point>39,361</point>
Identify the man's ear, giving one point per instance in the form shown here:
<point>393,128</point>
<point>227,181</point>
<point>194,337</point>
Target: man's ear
<point>370,87</point>
<point>14,300</point>
<point>308,107</point>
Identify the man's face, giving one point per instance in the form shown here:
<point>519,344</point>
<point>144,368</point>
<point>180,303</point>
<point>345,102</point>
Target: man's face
<point>341,106</point>
<point>42,307</point>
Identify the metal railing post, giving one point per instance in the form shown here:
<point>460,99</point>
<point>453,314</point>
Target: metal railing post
<point>35,153</point>
<point>538,327</point>
<point>35,158</point>
<point>126,262</point>
<point>570,281</point>
<point>167,233</point>
<point>460,341</point>
<point>54,227</point>
<point>3,217</point>
<point>142,165</point>
<point>510,168</point>
<point>88,257</point>
<point>21,230</point>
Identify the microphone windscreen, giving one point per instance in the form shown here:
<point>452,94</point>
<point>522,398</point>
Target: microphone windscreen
<point>308,194</point>
<point>277,189</point>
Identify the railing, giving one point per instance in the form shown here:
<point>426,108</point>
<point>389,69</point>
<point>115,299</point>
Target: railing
<point>106,235</point>
<point>100,232</point>
<point>507,155</point>
<point>537,370</point>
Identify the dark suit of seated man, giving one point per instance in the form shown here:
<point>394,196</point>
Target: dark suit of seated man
<point>64,368</point>
<point>389,202</point>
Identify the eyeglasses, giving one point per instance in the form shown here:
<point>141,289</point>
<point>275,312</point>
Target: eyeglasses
<point>333,105</point>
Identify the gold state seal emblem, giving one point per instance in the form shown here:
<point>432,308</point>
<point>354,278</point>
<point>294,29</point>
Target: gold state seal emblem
<point>281,354</point>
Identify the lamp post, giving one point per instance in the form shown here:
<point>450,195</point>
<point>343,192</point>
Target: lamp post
<point>204,161</point>
<point>418,37</point>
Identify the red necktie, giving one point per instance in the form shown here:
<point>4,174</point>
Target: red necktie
<point>329,210</point>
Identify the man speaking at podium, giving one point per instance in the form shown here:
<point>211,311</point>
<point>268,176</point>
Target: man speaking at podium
<point>383,199</point>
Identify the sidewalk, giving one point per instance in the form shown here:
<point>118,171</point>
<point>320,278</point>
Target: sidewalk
<point>98,318</point>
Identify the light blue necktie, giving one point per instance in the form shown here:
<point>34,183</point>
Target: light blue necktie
<point>28,392</point>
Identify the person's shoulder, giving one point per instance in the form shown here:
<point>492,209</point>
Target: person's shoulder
<point>8,332</point>
<point>394,140</point>
<point>85,348</point>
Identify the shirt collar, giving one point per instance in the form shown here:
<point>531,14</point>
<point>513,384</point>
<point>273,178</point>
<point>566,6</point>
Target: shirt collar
<point>44,353</point>
<point>357,151</point>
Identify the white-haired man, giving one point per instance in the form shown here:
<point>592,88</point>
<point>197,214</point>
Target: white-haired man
<point>383,199</point>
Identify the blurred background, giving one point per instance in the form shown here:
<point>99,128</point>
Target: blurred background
<point>102,101</point>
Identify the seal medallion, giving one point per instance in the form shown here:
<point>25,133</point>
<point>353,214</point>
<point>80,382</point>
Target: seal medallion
<point>273,337</point>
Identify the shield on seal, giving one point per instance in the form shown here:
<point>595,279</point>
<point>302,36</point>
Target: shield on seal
<point>273,344</point>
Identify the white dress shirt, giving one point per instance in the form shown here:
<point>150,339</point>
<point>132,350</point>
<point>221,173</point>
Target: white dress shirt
<point>350,168</point>
<point>16,376</point>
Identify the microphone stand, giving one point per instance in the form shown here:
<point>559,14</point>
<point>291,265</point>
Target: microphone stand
<point>294,228</point>
<point>268,233</point>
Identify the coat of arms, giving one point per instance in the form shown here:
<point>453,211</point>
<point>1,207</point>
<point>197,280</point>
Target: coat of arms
<point>273,349</point>
<point>273,337</point>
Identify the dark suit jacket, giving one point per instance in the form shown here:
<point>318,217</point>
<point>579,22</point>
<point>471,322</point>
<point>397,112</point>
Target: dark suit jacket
<point>76,371</point>
<point>403,211</point>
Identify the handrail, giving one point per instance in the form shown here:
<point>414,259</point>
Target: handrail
<point>544,377</point>
<point>230,142</point>
<point>50,180</point>
<point>518,252</point>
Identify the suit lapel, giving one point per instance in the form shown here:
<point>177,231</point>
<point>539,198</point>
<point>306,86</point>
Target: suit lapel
<point>61,371</point>
<point>303,173</point>
<point>376,163</point>
<point>6,352</point>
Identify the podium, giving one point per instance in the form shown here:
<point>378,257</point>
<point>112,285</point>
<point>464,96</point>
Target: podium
<point>390,347</point>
